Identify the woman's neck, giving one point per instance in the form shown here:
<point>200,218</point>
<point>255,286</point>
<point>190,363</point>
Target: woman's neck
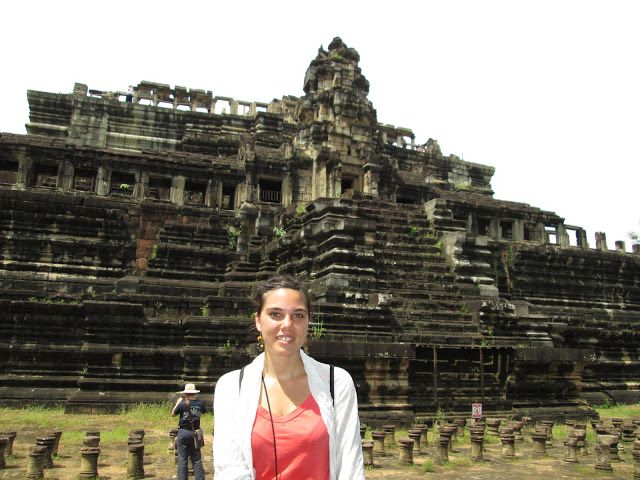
<point>284,368</point>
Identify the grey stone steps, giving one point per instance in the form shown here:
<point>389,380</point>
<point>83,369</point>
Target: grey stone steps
<point>411,264</point>
<point>65,269</point>
<point>201,276</point>
<point>438,323</point>
<point>402,278</point>
<point>427,304</point>
<point>442,339</point>
<point>428,254</point>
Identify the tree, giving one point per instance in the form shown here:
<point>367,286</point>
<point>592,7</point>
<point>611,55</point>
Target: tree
<point>635,237</point>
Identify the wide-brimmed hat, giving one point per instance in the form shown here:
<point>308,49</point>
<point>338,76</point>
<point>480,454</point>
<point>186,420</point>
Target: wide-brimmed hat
<point>190,388</point>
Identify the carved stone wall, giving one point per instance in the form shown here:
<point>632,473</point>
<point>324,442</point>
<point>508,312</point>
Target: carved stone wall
<point>132,233</point>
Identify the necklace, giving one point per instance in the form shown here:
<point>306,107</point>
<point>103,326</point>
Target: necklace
<point>273,430</point>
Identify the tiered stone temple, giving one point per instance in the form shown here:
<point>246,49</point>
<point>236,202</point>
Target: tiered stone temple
<point>132,232</point>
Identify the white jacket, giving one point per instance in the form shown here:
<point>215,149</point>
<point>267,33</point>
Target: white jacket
<point>234,414</point>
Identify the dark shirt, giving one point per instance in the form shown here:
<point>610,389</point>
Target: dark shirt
<point>190,416</point>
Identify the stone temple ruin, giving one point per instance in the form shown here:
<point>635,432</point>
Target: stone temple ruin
<point>133,229</point>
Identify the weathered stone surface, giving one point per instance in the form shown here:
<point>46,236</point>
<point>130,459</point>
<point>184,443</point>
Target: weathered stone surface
<point>132,233</point>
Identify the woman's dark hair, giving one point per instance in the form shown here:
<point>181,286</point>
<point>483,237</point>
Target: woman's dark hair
<point>276,282</point>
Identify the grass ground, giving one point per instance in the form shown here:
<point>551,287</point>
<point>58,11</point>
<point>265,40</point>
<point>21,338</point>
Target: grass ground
<point>156,420</point>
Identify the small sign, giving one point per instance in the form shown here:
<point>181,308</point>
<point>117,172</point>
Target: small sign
<point>476,410</point>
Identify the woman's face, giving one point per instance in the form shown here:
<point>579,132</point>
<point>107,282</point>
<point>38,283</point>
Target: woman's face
<point>283,321</point>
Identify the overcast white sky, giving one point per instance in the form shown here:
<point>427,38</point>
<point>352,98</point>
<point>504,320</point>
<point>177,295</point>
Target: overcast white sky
<point>547,92</point>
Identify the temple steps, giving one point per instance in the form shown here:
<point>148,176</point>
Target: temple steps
<point>356,326</point>
<point>402,279</point>
<point>392,255</point>
<point>197,289</point>
<point>396,266</point>
<point>426,303</point>
<point>194,236</point>
<point>421,327</point>
<point>442,340</point>
<point>189,276</point>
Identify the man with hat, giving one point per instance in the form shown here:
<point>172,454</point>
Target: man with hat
<point>190,409</point>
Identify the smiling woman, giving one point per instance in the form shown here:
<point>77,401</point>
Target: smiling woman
<point>286,415</point>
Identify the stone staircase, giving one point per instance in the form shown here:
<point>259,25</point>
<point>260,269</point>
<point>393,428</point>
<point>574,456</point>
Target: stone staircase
<point>190,253</point>
<point>411,268</point>
<point>72,246</point>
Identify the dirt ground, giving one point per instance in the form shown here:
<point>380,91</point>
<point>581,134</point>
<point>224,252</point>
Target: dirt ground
<point>159,462</point>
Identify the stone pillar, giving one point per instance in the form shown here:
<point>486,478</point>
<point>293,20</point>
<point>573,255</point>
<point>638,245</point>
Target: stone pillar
<point>494,230</point>
<point>517,230</point>
<point>363,431</point>
<point>173,434</point>
<point>424,430</point>
<point>526,424</point>
<point>548,424</point>
<point>11,436</point>
<point>600,429</point>
<point>569,424</point>
<point>4,441</point>
<point>48,443</point>
<point>378,442</point>
<point>89,462</point>
<point>91,441</point>
<point>135,436</point>
<point>56,434</point>
<point>563,236</point>
<point>415,435</point>
<point>493,424</point>
<point>636,460</point>
<point>453,430</point>
<point>581,438</point>
<point>103,179</point>
<point>571,455</point>
<point>459,423</point>
<point>35,468</point>
<point>635,248</point>
<point>628,432</point>
<point>601,241</point>
<point>367,452</point>
<point>390,431</point>
<point>516,426</point>
<point>539,438</point>
<point>603,456</point>
<point>620,246</point>
<point>582,238</point>
<point>135,462</point>
<point>613,448</point>
<point>176,195</point>
<point>508,439</point>
<point>477,438</point>
<point>539,234</point>
<point>371,179</point>
<point>449,431</point>
<point>406,450</point>
<point>66,179</point>
<point>93,433</point>
<point>443,447</point>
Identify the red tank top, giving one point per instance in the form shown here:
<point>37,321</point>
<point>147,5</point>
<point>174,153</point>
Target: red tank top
<point>302,443</point>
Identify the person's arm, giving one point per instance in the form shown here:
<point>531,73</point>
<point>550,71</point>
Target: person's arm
<point>350,462</point>
<point>228,461</point>
<point>175,407</point>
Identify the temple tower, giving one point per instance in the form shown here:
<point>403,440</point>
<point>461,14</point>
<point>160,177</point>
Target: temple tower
<point>338,124</point>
